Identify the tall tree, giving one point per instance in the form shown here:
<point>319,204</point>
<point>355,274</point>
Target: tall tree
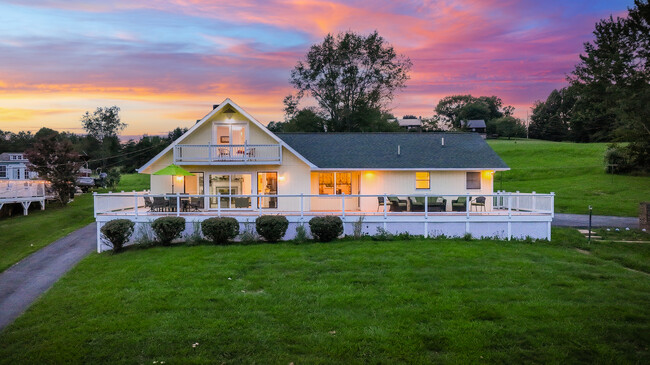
<point>348,75</point>
<point>104,124</point>
<point>56,161</point>
<point>454,109</point>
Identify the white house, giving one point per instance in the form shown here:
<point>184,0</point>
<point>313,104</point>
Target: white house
<point>424,183</point>
<point>15,166</point>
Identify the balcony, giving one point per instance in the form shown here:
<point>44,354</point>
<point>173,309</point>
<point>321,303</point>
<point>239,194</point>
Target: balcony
<point>261,154</point>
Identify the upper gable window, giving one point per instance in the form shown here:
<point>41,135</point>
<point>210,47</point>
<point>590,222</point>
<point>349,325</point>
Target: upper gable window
<point>229,133</point>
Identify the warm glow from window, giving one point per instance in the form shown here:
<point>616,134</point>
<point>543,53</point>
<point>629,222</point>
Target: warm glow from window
<point>422,180</point>
<point>331,183</point>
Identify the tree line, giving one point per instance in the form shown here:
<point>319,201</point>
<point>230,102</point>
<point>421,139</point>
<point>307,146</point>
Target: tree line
<point>607,97</point>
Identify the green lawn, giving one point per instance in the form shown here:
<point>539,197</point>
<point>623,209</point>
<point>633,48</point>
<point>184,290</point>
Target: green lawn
<point>416,301</point>
<point>23,235</point>
<point>574,171</point>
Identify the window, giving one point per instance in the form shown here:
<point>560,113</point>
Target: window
<point>343,183</point>
<point>473,180</point>
<point>335,183</point>
<point>267,184</point>
<point>229,134</point>
<point>3,171</point>
<point>422,180</point>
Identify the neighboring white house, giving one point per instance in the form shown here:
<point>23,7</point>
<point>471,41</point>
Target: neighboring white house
<point>15,166</point>
<point>436,183</point>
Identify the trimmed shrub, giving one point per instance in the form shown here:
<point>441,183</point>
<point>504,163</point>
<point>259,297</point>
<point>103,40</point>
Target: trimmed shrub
<point>220,230</point>
<point>326,228</point>
<point>118,232</point>
<point>301,234</point>
<point>168,229</point>
<point>271,227</point>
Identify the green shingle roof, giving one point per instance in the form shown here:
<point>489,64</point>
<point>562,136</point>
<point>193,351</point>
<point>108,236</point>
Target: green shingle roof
<point>379,150</point>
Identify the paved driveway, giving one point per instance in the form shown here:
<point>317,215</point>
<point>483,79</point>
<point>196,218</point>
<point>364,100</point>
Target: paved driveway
<point>582,220</point>
<point>23,283</point>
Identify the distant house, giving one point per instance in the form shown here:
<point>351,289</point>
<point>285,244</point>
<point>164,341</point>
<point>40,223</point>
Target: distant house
<point>409,124</point>
<point>477,125</point>
<point>15,166</point>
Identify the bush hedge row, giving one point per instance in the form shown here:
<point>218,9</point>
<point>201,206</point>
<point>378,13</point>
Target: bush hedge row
<point>220,231</point>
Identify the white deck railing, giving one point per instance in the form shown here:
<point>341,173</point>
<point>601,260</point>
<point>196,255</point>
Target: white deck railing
<point>22,188</point>
<point>260,153</point>
<point>499,203</point>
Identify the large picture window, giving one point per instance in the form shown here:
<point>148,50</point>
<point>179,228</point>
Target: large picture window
<point>473,180</point>
<point>335,183</point>
<point>422,180</point>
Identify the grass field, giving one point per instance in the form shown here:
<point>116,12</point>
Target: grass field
<point>574,171</point>
<point>416,301</point>
<point>22,235</point>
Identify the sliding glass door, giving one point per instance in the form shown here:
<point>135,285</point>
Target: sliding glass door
<point>267,184</point>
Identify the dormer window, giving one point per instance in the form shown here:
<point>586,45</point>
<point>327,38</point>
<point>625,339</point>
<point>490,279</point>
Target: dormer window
<point>16,157</point>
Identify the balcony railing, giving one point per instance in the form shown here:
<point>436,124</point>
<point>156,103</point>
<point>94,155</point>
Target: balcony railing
<point>208,154</point>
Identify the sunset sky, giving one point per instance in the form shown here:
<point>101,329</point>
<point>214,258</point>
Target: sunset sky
<point>164,63</point>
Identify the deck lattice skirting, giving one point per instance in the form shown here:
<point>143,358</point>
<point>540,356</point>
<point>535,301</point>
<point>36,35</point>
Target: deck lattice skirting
<point>509,215</point>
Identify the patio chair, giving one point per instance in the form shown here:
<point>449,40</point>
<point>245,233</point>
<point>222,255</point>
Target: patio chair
<point>479,202</point>
<point>459,205</point>
<point>417,204</point>
<point>148,203</point>
<point>195,204</point>
<point>397,205</point>
<point>437,204</point>
<point>172,203</point>
<point>159,204</point>
<point>381,202</point>
<point>242,202</point>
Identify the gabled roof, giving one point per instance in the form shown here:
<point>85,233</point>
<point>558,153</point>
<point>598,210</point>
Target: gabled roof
<point>475,123</point>
<point>226,103</point>
<point>379,151</point>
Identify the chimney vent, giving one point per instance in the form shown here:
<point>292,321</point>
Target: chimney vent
<point>442,142</point>
<point>198,120</point>
<point>215,106</point>
<point>399,150</point>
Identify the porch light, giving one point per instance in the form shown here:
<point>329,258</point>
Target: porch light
<point>179,178</point>
<point>488,174</point>
<point>229,112</point>
<point>281,177</point>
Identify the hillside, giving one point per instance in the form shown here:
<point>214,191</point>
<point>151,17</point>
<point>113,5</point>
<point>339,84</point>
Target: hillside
<point>574,171</point>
